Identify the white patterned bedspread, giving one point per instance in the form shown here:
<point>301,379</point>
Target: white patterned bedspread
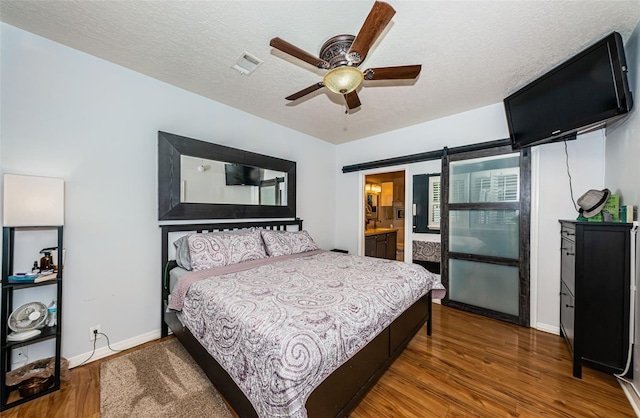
<point>281,328</point>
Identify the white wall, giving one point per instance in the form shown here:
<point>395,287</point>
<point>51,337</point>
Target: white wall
<point>552,201</point>
<point>68,114</point>
<point>623,165</point>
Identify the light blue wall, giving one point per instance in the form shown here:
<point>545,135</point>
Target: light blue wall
<point>623,163</point>
<point>71,115</point>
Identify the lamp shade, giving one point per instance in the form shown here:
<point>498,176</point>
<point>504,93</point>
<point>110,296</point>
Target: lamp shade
<point>33,201</point>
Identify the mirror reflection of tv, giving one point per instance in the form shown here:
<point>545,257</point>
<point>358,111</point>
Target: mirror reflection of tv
<point>241,175</point>
<point>584,91</point>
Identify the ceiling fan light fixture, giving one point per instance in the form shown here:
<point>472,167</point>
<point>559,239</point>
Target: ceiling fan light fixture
<point>343,80</point>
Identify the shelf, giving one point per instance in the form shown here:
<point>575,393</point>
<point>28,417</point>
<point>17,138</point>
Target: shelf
<point>15,399</point>
<point>9,395</point>
<point>46,334</point>
<point>17,286</point>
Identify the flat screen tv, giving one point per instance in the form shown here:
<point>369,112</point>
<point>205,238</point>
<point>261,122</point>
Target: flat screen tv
<point>582,92</point>
<point>241,175</point>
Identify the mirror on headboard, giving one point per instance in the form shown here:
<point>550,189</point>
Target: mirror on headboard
<point>202,180</point>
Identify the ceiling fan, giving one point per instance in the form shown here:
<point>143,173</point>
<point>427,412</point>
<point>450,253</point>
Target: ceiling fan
<point>342,54</point>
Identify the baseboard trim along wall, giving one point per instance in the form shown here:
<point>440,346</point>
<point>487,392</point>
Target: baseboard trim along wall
<point>548,328</point>
<point>632,395</point>
<point>103,352</point>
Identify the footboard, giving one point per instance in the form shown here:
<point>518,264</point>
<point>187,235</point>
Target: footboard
<point>341,392</point>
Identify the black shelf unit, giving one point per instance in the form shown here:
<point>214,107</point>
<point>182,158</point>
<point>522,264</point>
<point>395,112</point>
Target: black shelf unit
<point>47,333</point>
<point>594,293</point>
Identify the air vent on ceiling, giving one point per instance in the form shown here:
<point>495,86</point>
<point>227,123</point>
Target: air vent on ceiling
<point>247,63</point>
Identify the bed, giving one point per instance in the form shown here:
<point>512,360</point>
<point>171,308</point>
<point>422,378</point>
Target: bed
<point>310,379</point>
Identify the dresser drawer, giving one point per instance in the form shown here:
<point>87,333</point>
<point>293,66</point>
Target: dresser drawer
<point>567,315</point>
<point>568,231</point>
<point>568,263</point>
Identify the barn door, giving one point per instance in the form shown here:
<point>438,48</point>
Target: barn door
<point>485,233</point>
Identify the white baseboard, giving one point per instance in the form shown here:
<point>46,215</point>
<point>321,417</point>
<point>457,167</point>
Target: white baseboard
<point>632,395</point>
<point>548,328</point>
<point>103,352</point>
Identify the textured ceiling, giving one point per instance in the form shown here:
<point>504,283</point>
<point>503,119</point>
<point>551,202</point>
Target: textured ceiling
<point>473,53</point>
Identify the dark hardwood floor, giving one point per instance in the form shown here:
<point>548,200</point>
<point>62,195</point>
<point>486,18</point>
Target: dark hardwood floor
<point>470,367</point>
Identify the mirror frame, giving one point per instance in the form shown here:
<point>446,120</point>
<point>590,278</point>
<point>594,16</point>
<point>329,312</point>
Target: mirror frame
<point>171,147</point>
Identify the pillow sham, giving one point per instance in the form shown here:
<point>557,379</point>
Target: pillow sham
<point>183,258</point>
<point>219,249</point>
<point>287,242</point>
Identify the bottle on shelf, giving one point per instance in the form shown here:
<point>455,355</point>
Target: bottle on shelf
<point>46,262</point>
<point>52,318</point>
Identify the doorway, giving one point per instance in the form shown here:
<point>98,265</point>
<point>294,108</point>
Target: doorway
<point>384,215</point>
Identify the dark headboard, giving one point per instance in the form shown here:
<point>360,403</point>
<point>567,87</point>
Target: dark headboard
<point>279,225</point>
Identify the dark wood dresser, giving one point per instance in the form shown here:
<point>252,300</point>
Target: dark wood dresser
<point>594,293</point>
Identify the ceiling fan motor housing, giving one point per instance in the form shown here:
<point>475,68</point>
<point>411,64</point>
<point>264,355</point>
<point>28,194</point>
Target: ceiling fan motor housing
<point>335,52</point>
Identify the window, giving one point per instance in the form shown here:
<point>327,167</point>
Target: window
<point>426,203</point>
<point>434,202</point>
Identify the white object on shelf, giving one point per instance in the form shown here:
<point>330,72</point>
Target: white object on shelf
<point>52,319</point>
<point>24,335</point>
<point>46,277</point>
<point>28,317</point>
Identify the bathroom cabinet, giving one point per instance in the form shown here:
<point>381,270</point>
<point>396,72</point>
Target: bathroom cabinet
<point>381,243</point>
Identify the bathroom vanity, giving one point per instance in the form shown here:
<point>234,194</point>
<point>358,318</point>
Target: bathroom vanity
<point>381,243</point>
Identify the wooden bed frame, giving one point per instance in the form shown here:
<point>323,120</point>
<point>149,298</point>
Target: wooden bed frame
<point>342,390</point>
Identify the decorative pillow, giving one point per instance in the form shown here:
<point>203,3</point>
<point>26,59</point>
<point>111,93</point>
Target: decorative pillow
<point>218,249</point>
<point>288,242</point>
<point>183,259</point>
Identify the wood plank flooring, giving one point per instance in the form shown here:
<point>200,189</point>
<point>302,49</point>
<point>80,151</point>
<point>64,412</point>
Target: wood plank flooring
<point>470,367</point>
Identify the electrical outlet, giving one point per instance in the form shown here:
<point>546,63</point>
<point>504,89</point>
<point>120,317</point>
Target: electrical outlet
<point>92,332</point>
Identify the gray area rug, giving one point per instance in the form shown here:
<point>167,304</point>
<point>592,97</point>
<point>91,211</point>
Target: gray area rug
<point>158,381</point>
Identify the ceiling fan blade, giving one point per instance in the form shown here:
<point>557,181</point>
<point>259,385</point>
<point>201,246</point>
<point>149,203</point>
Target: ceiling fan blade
<point>294,51</point>
<point>404,72</point>
<point>378,18</point>
<point>352,99</point>
<point>306,91</point>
